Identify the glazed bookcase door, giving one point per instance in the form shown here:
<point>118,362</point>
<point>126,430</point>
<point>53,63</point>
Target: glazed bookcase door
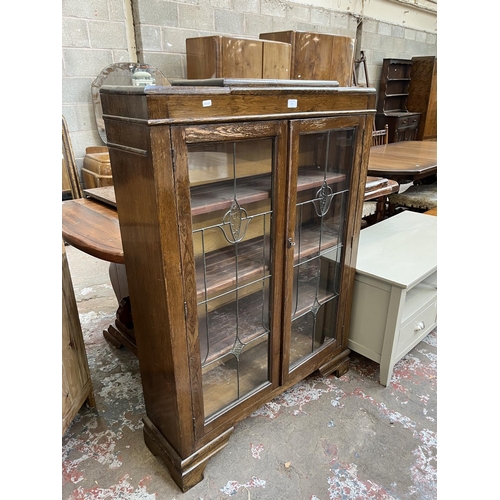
<point>235,215</point>
<point>324,154</point>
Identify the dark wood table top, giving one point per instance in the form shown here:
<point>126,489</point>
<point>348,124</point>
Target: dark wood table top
<point>405,160</point>
<point>93,228</point>
<point>91,224</point>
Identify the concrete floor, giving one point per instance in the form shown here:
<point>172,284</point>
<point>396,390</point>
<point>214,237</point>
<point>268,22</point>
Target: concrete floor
<point>325,438</point>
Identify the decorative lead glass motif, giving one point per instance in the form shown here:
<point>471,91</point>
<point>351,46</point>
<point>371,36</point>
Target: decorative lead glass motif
<point>237,348</point>
<point>235,223</point>
<point>323,199</point>
<point>315,307</point>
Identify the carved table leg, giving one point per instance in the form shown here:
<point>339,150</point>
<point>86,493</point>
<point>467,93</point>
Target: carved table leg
<point>121,333</point>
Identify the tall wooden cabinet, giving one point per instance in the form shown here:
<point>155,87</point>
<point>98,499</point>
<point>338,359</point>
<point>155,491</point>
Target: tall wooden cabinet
<point>392,104</point>
<point>239,209</point>
<point>318,56</point>
<point>422,95</point>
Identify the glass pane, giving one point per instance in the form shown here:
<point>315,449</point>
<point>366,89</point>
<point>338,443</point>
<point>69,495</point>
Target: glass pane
<point>325,162</point>
<point>231,187</point>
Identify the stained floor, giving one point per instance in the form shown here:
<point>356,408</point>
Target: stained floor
<point>345,438</point>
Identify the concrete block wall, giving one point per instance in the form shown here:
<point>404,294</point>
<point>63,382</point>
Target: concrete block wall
<point>94,35</point>
<point>97,33</point>
<point>161,40</point>
<point>380,40</point>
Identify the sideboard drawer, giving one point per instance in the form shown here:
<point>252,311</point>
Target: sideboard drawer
<point>403,126</point>
<point>414,120</point>
<point>401,122</point>
<point>407,121</point>
<point>416,328</point>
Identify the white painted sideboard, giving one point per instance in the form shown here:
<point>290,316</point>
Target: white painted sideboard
<point>395,289</point>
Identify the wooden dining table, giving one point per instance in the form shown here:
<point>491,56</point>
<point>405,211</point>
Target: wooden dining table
<point>405,161</point>
<point>91,225</point>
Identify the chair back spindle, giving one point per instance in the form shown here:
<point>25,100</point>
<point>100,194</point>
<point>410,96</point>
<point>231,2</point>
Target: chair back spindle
<point>380,137</point>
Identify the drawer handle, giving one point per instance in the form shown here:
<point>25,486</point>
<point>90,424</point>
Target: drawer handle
<point>420,326</point>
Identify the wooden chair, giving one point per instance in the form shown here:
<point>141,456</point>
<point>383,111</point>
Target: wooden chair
<point>380,137</point>
<point>377,189</point>
<point>71,187</point>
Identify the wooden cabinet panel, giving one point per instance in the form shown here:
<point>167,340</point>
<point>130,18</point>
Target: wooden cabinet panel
<point>318,56</point>
<point>402,126</point>
<point>395,304</point>
<point>234,57</point>
<point>76,381</point>
<point>239,220</point>
<point>422,96</point>
<point>395,107</point>
<point>394,86</point>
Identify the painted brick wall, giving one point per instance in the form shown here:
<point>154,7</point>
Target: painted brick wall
<point>94,35</point>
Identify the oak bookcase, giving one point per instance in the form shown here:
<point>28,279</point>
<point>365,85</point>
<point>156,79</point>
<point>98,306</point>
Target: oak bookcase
<point>240,208</point>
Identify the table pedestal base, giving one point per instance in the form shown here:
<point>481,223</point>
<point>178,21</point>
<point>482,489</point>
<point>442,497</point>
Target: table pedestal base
<point>121,333</point>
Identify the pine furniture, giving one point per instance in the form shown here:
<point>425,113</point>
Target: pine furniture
<point>239,209</point>
<point>395,292</point>
<point>76,382</point>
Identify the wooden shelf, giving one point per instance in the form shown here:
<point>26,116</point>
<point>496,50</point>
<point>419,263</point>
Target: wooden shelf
<point>212,197</point>
<point>221,264</point>
<point>308,294</point>
<point>251,378</point>
<point>313,177</point>
<point>223,337</point>
<point>394,84</point>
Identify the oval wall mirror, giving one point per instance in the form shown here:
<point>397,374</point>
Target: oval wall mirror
<point>126,73</point>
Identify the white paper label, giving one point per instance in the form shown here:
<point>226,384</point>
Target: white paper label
<point>292,103</point>
<point>206,103</point>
